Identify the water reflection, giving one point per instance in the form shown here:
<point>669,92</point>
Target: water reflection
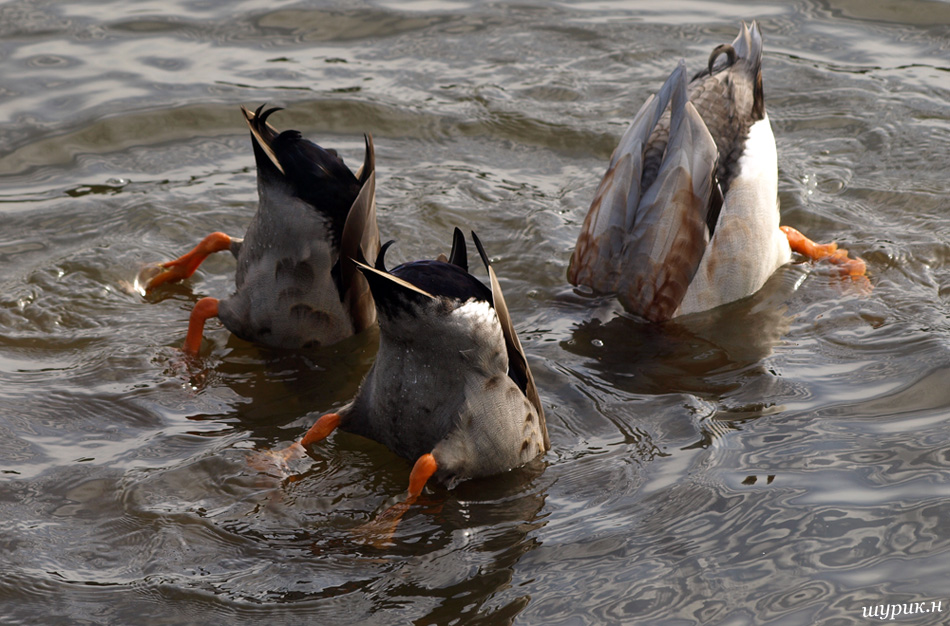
<point>271,388</point>
<point>711,354</point>
<point>780,461</point>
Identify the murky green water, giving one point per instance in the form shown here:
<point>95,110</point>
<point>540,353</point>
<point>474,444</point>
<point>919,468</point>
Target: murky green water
<point>781,461</point>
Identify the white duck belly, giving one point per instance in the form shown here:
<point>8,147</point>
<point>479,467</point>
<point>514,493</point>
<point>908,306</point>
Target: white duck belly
<point>747,246</point>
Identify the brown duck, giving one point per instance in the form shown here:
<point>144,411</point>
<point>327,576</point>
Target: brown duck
<point>687,217</point>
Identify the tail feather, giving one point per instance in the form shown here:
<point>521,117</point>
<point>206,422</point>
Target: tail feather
<point>613,212</point>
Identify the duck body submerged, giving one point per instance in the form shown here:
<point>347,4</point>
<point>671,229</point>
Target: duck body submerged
<point>292,290</point>
<point>450,378</point>
<point>686,217</point>
<point>450,388</point>
<point>296,283</point>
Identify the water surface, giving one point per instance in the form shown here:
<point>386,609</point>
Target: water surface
<point>780,461</point>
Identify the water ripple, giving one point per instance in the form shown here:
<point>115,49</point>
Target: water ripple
<point>780,461</point>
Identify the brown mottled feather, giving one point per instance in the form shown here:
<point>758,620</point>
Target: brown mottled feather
<point>657,206</point>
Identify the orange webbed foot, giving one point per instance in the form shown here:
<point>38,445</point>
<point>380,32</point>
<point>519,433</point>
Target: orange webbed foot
<point>276,462</point>
<point>380,531</point>
<point>151,276</point>
<point>847,266</point>
<point>156,274</point>
<point>855,268</point>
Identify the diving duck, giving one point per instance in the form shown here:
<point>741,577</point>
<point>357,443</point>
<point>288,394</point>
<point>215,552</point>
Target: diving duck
<point>687,217</point>
<point>450,388</point>
<point>297,283</point>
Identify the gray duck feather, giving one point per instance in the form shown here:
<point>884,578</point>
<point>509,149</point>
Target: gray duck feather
<point>297,285</point>
<point>450,377</point>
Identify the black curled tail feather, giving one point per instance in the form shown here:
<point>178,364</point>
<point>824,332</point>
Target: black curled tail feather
<point>306,170</point>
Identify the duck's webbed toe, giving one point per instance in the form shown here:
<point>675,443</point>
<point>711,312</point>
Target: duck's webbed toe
<point>155,274</point>
<point>830,252</point>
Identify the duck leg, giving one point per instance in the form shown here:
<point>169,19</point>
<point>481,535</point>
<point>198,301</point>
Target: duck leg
<point>277,459</point>
<point>818,251</point>
<point>422,471</point>
<point>155,274</point>
<point>379,532</point>
<point>205,309</point>
<point>321,430</point>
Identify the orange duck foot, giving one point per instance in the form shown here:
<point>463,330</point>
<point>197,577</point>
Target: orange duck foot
<point>854,267</point>
<point>379,532</point>
<point>156,274</point>
<point>275,462</point>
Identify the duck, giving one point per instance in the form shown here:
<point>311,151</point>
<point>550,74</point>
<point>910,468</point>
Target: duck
<point>686,217</point>
<point>450,389</point>
<point>297,285</point>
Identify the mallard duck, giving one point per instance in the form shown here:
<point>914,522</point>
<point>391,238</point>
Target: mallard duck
<point>686,217</point>
<point>450,388</point>
<point>297,285</point>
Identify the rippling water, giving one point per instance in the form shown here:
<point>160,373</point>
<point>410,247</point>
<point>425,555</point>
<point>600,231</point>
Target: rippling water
<point>781,461</point>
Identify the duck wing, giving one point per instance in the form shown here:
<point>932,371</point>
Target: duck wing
<point>646,233</point>
<point>518,369</point>
<point>360,240</point>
